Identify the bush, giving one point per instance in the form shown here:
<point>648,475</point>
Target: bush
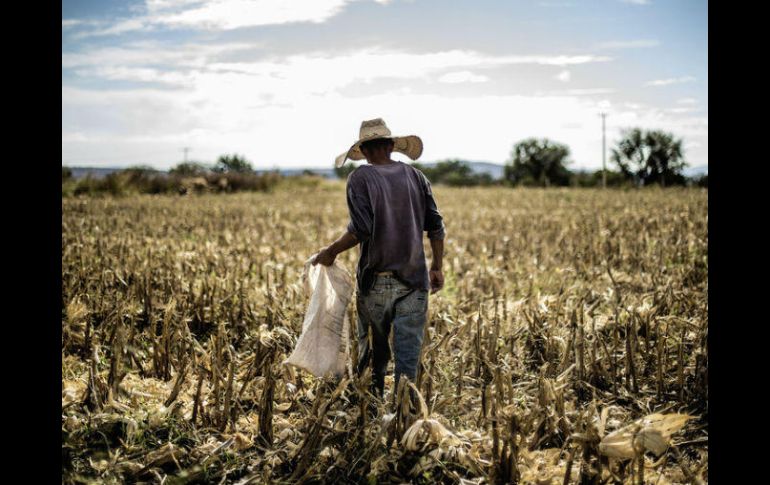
<point>232,163</point>
<point>239,181</point>
<point>189,169</point>
<point>112,184</point>
<point>456,173</point>
<point>594,179</point>
<point>86,186</point>
<point>144,181</point>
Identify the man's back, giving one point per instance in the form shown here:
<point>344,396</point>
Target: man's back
<point>390,207</point>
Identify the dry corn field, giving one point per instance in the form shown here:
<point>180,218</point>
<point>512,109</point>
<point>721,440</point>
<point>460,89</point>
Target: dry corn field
<point>569,344</point>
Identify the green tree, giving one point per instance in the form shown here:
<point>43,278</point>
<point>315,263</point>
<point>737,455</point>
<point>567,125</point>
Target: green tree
<point>66,174</point>
<point>345,170</point>
<point>189,169</point>
<point>650,157</point>
<point>448,169</point>
<point>232,163</point>
<point>540,162</point>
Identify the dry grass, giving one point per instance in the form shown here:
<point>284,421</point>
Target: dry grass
<point>567,317</point>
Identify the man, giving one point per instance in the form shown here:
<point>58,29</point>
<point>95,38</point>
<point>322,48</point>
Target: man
<point>390,205</point>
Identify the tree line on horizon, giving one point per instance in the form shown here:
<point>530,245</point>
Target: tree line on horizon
<point>641,158</point>
<point>231,173</point>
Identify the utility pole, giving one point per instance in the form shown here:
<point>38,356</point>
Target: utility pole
<point>604,162</point>
<point>185,150</point>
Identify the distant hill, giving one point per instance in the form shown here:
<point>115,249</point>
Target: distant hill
<point>95,172</point>
<point>294,172</point>
<point>695,172</point>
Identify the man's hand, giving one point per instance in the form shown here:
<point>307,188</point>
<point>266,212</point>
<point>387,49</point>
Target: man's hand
<point>325,256</point>
<point>436,280</point>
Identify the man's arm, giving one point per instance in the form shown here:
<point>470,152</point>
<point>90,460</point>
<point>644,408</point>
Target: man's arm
<point>434,222</point>
<point>436,273</point>
<point>327,255</point>
<point>359,228</point>
<point>434,225</point>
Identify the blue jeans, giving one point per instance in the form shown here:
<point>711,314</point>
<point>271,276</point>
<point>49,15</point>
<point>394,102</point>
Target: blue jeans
<point>390,303</point>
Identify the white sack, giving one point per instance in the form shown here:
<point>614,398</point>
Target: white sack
<point>323,347</point>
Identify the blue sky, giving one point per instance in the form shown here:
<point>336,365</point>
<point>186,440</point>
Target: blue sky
<point>287,83</point>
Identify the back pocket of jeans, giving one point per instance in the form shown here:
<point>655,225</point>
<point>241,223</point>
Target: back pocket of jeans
<point>415,302</point>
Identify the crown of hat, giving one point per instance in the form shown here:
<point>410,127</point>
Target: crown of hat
<point>375,128</point>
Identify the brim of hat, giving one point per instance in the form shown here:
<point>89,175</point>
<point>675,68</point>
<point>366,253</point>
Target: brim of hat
<point>410,145</point>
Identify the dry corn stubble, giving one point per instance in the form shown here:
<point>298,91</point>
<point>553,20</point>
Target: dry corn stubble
<point>567,315</point>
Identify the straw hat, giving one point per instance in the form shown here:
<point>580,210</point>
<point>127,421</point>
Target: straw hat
<point>410,145</point>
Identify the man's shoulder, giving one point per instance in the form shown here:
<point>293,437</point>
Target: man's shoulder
<point>415,171</point>
<point>359,176</point>
<point>358,172</point>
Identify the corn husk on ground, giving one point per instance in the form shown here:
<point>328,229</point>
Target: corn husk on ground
<point>651,433</point>
<point>568,346</point>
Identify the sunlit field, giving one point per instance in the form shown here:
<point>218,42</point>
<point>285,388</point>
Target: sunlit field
<point>567,315</point>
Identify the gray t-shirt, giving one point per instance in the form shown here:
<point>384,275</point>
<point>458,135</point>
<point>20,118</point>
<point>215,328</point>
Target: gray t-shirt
<point>390,207</point>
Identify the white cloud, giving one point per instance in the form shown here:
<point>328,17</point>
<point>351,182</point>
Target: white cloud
<point>141,54</point>
<point>628,44</point>
<point>637,2</point>
<point>156,6</point>
<point>223,14</point>
<point>321,72</point>
<point>555,60</point>
<point>687,101</point>
<point>226,106</point>
<point>682,109</point>
<point>293,78</point>
<point>674,80</point>
<point>254,107</point>
<point>462,77</point>
<point>563,76</point>
<point>120,27</point>
<point>136,74</point>
<point>232,14</point>
<point>68,23</point>
<point>575,92</point>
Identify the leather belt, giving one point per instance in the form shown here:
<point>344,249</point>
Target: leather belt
<point>384,273</point>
